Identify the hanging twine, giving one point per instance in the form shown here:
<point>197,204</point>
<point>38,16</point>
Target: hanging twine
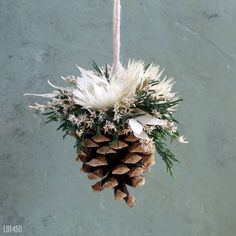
<point>116,34</point>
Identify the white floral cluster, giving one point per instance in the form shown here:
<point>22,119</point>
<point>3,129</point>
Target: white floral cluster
<point>100,91</point>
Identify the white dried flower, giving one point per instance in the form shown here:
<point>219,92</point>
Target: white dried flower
<point>117,117</point>
<point>65,108</point>
<point>163,89</point>
<point>77,120</point>
<point>92,114</point>
<point>130,101</point>
<point>182,139</point>
<point>81,119</point>
<point>79,133</point>
<point>109,126</point>
<point>149,128</point>
<point>153,73</point>
<point>174,129</point>
<point>38,107</point>
<point>117,107</point>
<point>127,130</point>
<point>171,127</point>
<point>101,115</point>
<point>146,144</point>
<point>89,123</point>
<point>117,111</point>
<point>72,118</point>
<point>156,113</point>
<point>96,92</point>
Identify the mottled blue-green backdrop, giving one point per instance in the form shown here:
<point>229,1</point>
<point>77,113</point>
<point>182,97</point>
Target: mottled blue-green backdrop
<point>41,186</point>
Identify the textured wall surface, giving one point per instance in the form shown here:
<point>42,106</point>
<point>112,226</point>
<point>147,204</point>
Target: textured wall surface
<point>41,187</point>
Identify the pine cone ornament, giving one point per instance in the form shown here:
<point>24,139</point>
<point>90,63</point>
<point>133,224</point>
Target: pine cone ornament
<point>116,164</point>
<point>118,120</point>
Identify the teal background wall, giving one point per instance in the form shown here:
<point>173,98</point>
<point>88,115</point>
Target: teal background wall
<point>41,186</point>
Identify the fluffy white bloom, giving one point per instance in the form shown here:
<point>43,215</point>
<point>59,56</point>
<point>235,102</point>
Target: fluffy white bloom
<point>164,88</point>
<point>152,73</point>
<point>97,92</point>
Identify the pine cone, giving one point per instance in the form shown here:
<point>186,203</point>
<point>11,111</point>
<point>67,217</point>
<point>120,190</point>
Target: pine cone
<point>116,164</point>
